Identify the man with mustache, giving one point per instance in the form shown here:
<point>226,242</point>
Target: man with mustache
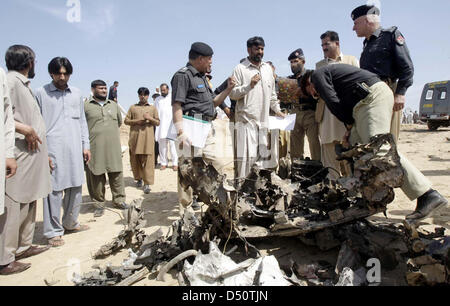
<point>192,96</point>
<point>305,110</point>
<point>330,128</point>
<point>104,120</point>
<point>255,94</point>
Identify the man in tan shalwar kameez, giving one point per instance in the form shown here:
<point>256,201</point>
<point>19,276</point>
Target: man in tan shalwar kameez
<point>331,129</point>
<point>142,118</point>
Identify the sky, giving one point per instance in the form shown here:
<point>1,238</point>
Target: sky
<point>142,43</point>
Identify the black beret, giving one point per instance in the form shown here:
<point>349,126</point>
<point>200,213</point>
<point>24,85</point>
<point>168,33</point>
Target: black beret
<point>202,49</point>
<point>296,54</point>
<point>364,10</point>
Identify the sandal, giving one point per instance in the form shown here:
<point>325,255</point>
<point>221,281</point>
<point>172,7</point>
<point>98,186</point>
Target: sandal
<point>56,242</point>
<point>82,228</point>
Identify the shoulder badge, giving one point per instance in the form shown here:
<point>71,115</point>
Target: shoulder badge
<point>183,70</point>
<point>400,39</point>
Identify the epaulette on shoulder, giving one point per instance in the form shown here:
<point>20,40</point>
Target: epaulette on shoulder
<point>391,29</point>
<point>183,70</point>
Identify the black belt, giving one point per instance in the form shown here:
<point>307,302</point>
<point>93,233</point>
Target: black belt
<point>203,117</point>
<point>361,89</point>
<point>372,81</point>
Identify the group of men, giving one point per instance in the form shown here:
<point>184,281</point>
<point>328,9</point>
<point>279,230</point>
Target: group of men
<point>51,140</point>
<point>46,146</point>
<point>339,103</point>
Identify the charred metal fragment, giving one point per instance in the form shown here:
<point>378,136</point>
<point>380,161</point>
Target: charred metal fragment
<point>132,236</point>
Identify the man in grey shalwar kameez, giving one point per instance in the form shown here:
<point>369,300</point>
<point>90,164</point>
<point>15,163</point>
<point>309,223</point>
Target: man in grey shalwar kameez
<point>32,179</point>
<point>62,108</point>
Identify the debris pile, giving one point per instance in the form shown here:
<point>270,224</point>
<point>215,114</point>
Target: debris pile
<point>298,202</point>
<point>430,260</point>
<point>309,202</point>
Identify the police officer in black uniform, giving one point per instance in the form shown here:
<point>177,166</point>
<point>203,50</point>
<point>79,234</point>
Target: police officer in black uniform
<point>385,54</point>
<point>358,98</point>
<point>305,110</point>
<point>192,96</point>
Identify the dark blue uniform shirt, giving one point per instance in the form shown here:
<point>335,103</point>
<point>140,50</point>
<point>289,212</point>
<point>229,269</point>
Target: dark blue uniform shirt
<point>192,90</point>
<point>386,54</point>
<point>338,86</point>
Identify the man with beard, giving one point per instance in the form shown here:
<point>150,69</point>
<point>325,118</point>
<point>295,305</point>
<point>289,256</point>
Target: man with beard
<point>104,120</point>
<point>305,110</point>
<point>164,106</point>
<point>255,94</point>
<point>62,108</point>
<point>32,179</point>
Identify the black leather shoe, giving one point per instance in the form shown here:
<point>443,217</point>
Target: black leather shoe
<point>428,204</point>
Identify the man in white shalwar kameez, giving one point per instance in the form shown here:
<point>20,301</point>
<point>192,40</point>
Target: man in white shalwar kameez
<point>7,141</point>
<point>255,94</point>
<point>164,106</point>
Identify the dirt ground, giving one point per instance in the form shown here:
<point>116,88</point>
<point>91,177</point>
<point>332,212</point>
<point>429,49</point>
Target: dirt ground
<point>429,151</point>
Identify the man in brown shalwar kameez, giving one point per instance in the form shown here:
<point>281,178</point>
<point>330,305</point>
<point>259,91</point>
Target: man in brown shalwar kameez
<point>142,118</point>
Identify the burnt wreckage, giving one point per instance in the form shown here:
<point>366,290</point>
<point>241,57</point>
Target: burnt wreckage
<point>298,201</point>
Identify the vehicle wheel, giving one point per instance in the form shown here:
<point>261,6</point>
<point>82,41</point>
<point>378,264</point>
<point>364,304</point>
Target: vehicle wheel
<point>432,126</point>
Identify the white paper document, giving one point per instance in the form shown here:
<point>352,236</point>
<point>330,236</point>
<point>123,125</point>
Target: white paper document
<point>283,124</point>
<point>196,130</point>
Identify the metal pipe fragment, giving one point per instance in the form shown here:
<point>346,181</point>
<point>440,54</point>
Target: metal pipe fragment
<point>173,262</point>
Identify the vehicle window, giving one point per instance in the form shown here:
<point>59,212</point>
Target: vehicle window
<point>429,94</point>
<point>442,93</point>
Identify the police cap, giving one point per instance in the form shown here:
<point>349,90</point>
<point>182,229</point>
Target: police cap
<point>296,54</point>
<point>364,10</point>
<point>202,49</point>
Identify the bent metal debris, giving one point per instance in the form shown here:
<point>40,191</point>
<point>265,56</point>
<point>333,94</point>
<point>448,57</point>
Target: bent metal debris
<point>297,201</point>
